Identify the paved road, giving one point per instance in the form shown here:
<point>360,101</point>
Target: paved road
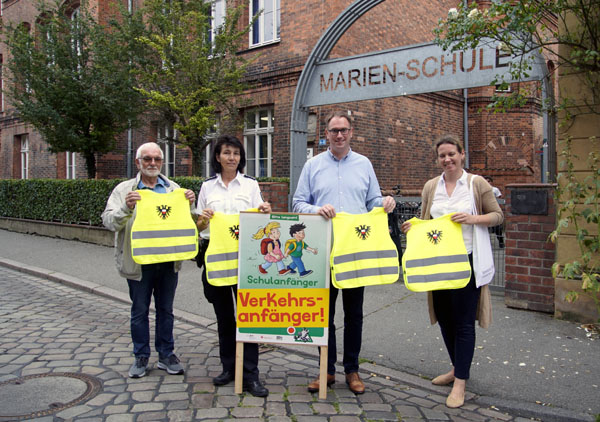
<point>50,330</point>
<point>525,360</point>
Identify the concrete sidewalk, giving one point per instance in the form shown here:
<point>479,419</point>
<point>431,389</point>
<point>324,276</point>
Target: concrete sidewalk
<point>527,364</point>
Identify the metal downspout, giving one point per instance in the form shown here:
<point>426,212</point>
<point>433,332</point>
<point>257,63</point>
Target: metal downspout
<point>129,152</point>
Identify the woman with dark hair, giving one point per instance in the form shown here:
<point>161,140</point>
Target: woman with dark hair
<point>457,309</point>
<point>229,191</point>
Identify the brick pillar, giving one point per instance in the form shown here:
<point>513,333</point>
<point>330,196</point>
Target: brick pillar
<point>275,193</point>
<point>530,218</point>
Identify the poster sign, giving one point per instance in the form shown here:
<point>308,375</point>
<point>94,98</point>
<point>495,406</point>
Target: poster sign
<point>283,286</point>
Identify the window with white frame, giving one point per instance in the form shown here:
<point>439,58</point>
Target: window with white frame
<point>1,84</point>
<point>503,88</point>
<point>212,137</point>
<point>265,28</point>
<point>24,26</point>
<point>51,57</point>
<point>217,18</point>
<point>24,156</point>
<point>76,41</point>
<point>165,139</point>
<point>258,139</point>
<point>70,165</point>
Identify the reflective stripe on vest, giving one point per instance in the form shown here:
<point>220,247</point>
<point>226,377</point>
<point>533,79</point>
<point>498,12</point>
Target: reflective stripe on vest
<point>363,252</point>
<point>221,257</point>
<point>435,257</point>
<point>163,229</point>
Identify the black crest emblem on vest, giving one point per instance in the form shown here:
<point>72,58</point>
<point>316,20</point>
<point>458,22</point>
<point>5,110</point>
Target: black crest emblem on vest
<point>435,236</point>
<point>163,211</point>
<point>363,231</point>
<point>234,231</point>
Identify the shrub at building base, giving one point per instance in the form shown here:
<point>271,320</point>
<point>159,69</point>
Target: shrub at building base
<point>81,202</point>
<point>64,201</point>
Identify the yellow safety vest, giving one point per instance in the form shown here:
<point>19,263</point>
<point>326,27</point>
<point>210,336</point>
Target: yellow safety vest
<point>221,257</point>
<point>435,257</point>
<point>163,229</point>
<point>363,252</point>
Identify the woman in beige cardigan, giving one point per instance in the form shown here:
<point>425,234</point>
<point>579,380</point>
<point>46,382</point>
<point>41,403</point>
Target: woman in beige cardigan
<point>456,310</point>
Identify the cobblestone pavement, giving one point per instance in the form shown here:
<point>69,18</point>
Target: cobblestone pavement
<point>47,327</point>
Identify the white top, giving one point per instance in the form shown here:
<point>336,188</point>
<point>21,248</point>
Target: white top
<point>496,191</point>
<point>242,193</point>
<point>460,201</point>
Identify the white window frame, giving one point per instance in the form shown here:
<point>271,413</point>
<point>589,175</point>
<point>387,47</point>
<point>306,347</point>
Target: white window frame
<point>259,27</point>
<point>1,82</point>
<point>256,132</point>
<point>207,169</point>
<point>217,18</point>
<point>71,165</point>
<point>168,148</point>
<point>74,15</point>
<point>28,89</point>
<point>507,90</point>
<point>24,156</point>
<point>52,58</point>
<point>212,137</point>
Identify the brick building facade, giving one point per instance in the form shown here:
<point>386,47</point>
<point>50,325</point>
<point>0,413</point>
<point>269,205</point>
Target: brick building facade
<point>395,133</point>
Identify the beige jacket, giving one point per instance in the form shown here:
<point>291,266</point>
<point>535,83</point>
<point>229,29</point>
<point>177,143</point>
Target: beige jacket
<point>118,218</point>
<point>486,203</point>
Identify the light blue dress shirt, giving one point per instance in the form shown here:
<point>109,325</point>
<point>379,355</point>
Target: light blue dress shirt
<point>349,184</point>
<point>160,187</point>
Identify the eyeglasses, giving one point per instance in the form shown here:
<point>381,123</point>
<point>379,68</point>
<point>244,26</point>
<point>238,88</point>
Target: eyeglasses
<point>149,159</point>
<point>344,131</point>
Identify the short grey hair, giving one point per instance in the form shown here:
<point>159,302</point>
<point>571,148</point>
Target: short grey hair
<point>142,147</point>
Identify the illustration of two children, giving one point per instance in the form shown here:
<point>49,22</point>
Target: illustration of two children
<point>270,247</point>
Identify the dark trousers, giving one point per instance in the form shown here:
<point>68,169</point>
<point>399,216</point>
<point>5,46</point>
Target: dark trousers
<point>223,299</point>
<point>456,310</point>
<point>160,281</point>
<point>352,301</point>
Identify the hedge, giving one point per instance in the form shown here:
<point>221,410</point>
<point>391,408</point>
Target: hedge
<point>69,201</point>
<point>66,201</point>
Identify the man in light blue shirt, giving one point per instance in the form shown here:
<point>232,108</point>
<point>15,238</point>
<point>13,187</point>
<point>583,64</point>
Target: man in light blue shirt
<point>340,179</point>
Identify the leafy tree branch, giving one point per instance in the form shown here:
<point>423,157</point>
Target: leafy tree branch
<point>70,78</point>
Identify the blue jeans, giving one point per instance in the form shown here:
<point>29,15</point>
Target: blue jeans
<point>297,263</point>
<point>160,281</point>
<point>267,264</point>
<point>352,300</point>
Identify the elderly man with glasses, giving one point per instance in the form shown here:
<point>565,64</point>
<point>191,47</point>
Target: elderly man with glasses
<point>158,280</point>
<point>337,180</point>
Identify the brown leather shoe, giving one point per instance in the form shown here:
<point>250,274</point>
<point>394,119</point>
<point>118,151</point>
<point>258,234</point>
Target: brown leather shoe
<point>355,383</point>
<point>313,387</point>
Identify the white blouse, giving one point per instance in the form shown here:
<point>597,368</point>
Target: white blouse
<point>241,194</point>
<point>459,201</point>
